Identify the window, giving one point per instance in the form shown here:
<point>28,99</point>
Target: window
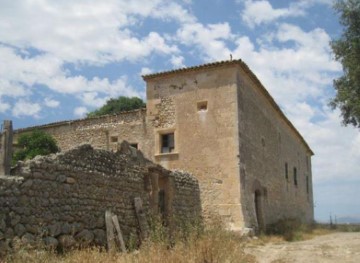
<point>202,106</point>
<point>167,143</point>
<point>114,139</point>
<point>286,172</point>
<point>307,184</point>
<point>134,145</point>
<point>295,177</point>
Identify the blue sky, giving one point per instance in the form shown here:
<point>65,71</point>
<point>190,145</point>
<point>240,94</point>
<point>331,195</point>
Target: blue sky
<point>61,59</point>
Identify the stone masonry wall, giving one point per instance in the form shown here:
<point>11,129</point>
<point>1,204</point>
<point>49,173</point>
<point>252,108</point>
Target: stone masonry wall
<point>60,200</point>
<point>102,132</point>
<point>267,145</point>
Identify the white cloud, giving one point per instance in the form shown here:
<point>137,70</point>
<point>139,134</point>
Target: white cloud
<point>145,71</point>
<point>92,99</point>
<point>336,148</point>
<point>257,12</point>
<point>300,69</point>
<point>51,103</point>
<point>81,33</point>
<point>4,106</point>
<point>261,12</point>
<point>80,112</point>
<point>209,39</point>
<point>177,61</point>
<point>86,31</point>
<point>26,108</point>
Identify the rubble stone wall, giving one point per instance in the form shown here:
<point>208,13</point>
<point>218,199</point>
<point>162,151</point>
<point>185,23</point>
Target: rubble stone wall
<point>61,199</point>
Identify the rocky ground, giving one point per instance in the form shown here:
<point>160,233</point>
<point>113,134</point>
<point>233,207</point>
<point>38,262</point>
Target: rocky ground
<point>337,247</point>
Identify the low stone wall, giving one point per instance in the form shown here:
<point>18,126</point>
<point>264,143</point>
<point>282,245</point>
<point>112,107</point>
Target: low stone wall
<point>60,200</point>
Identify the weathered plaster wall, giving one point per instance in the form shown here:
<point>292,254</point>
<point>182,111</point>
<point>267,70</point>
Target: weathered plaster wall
<point>61,199</point>
<point>205,140</point>
<point>266,144</point>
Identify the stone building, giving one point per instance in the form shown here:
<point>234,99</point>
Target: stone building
<point>218,122</point>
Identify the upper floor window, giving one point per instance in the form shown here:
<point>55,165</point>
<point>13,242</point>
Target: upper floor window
<point>286,172</point>
<point>167,143</point>
<point>202,106</point>
<point>295,177</point>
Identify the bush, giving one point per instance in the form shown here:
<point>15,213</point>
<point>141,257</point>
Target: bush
<point>33,144</point>
<point>290,229</point>
<point>120,104</point>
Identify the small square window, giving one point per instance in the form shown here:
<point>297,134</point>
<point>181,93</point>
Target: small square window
<point>114,139</point>
<point>167,143</point>
<point>134,145</point>
<point>202,106</point>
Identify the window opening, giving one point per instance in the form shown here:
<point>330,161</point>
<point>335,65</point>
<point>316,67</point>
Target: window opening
<point>286,172</point>
<point>114,139</point>
<point>134,145</point>
<point>295,177</point>
<point>167,143</point>
<point>307,184</point>
<point>202,106</point>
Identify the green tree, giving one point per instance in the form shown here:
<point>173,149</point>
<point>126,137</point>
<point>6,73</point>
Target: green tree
<point>120,104</point>
<point>33,144</point>
<point>347,52</point>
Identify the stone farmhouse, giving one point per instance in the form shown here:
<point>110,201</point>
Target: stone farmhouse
<point>217,122</point>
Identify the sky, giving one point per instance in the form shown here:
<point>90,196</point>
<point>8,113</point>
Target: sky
<point>62,59</point>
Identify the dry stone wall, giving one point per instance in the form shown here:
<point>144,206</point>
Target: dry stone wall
<point>60,200</point>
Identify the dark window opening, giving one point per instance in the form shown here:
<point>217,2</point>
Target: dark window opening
<point>134,145</point>
<point>286,172</point>
<point>114,139</point>
<point>263,141</point>
<point>307,184</point>
<point>167,143</point>
<point>202,106</point>
<point>295,177</point>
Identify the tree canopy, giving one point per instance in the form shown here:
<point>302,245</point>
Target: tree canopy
<point>120,104</point>
<point>33,144</point>
<point>347,52</point>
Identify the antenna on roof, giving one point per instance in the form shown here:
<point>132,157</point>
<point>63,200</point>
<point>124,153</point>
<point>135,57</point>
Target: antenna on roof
<point>230,56</point>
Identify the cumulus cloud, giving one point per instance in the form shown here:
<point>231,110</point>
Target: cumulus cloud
<point>25,108</point>
<point>4,106</point>
<point>261,12</point>
<point>145,71</point>
<point>51,103</point>
<point>257,12</point>
<point>39,38</point>
<point>209,39</point>
<point>177,61</point>
<point>80,112</point>
<point>86,31</point>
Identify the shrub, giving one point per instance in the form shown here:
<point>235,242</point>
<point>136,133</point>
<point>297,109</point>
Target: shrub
<point>33,144</point>
<point>120,104</point>
<point>290,229</point>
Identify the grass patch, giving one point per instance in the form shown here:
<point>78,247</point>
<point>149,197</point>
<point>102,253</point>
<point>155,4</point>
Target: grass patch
<point>193,244</point>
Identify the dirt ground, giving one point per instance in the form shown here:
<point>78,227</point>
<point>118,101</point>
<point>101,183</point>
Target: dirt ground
<point>337,247</point>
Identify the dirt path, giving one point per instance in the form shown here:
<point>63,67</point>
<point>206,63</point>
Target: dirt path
<point>338,247</point>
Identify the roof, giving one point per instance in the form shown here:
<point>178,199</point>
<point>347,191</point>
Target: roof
<point>237,62</point>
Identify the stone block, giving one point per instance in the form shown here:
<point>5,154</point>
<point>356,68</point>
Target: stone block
<point>50,243</point>
<point>66,242</point>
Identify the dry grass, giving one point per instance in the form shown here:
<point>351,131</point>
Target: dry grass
<point>193,244</point>
<point>211,245</point>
